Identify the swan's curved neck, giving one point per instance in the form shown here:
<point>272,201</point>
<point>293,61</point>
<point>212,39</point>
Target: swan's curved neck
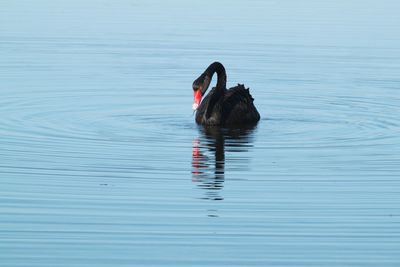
<point>220,89</point>
<point>218,68</point>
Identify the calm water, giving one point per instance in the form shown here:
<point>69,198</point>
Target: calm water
<point>101,163</point>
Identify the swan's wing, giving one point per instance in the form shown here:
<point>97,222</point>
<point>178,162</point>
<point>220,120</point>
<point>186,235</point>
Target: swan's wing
<point>238,107</point>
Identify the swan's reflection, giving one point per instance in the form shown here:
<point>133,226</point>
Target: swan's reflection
<point>208,156</point>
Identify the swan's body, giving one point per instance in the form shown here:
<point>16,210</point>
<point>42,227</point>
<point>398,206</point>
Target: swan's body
<point>223,107</point>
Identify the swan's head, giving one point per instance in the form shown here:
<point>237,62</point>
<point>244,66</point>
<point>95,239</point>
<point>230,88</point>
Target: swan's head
<point>200,86</point>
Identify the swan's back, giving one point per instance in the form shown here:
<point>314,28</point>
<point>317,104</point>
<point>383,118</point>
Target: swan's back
<point>238,107</point>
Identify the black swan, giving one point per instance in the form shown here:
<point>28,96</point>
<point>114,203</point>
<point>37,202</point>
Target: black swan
<point>222,107</point>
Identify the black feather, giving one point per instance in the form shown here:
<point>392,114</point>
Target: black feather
<point>233,107</point>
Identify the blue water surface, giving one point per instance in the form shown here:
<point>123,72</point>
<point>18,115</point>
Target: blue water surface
<point>101,163</point>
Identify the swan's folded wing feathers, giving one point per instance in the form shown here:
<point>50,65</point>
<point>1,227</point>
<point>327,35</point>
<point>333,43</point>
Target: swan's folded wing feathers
<point>238,106</point>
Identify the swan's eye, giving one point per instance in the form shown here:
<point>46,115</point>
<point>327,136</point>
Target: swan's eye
<point>196,87</point>
<point>199,82</point>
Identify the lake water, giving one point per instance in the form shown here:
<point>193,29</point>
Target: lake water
<point>101,163</point>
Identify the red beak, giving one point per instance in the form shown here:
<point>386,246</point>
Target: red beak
<point>197,99</point>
